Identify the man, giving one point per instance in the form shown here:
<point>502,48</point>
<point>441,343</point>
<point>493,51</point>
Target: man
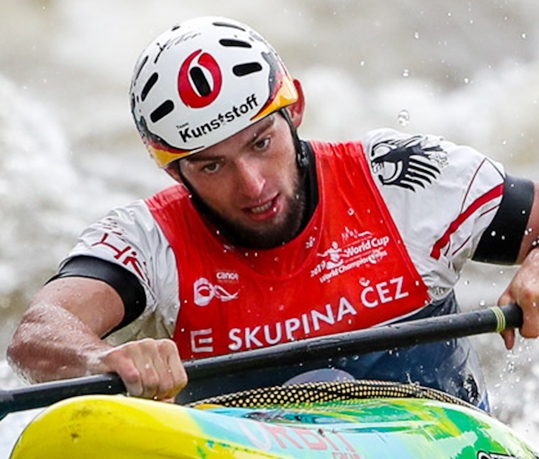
<point>268,239</point>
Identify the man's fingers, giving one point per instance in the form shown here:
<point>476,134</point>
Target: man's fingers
<point>507,335</point>
<point>153,370</point>
<point>508,338</point>
<point>149,368</point>
<point>167,367</point>
<point>174,367</point>
<point>161,369</point>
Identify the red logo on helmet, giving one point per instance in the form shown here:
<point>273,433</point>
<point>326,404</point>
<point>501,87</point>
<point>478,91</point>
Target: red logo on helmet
<point>194,87</point>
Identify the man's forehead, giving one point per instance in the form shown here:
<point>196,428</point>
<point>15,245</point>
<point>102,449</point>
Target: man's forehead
<point>262,125</point>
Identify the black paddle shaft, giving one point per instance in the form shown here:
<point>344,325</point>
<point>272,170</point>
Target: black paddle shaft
<point>373,339</point>
<point>387,337</point>
<point>45,394</point>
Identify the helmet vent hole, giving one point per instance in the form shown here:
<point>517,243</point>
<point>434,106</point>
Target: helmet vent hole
<point>246,69</point>
<point>230,43</point>
<point>163,110</point>
<point>228,24</point>
<point>149,85</point>
<point>200,81</point>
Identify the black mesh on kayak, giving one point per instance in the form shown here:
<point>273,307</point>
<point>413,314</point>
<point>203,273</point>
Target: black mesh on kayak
<point>320,392</point>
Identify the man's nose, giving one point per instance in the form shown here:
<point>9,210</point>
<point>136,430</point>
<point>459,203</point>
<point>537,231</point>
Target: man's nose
<point>250,177</point>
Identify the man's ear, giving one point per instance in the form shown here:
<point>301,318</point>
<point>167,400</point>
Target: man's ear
<point>173,170</point>
<point>297,109</point>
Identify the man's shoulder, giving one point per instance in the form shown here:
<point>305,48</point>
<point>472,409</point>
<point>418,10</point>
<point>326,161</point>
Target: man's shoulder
<point>174,194</point>
<point>391,145</point>
<point>420,161</point>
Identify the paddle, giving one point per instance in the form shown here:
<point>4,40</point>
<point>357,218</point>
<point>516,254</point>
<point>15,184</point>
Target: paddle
<point>44,394</point>
<point>404,334</point>
<point>387,337</point>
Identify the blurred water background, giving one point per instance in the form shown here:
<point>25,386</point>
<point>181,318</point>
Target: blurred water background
<point>468,70</point>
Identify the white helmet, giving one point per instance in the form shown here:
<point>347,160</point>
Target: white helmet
<point>202,82</point>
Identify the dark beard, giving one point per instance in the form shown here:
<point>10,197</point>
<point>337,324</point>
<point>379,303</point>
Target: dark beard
<point>266,238</point>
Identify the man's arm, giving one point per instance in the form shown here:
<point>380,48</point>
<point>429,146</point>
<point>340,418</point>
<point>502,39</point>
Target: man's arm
<point>524,287</point>
<point>60,337</point>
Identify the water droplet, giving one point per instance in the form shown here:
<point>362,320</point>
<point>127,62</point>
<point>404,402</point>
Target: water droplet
<point>350,211</point>
<point>416,35</point>
<point>406,73</point>
<point>403,117</point>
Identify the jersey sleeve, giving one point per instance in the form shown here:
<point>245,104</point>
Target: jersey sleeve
<point>120,279</point>
<point>501,241</point>
<point>129,237</point>
<point>442,197</point>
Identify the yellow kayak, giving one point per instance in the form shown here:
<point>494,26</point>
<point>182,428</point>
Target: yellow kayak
<point>119,427</point>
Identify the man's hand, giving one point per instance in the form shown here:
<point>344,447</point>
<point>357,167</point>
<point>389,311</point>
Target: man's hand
<point>149,368</point>
<point>60,337</point>
<point>524,291</point>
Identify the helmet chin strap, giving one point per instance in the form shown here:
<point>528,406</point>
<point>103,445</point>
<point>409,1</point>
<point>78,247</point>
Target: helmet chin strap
<point>301,155</point>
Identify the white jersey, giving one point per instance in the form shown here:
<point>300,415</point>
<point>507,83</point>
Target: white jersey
<point>441,199</point>
<point>440,196</point>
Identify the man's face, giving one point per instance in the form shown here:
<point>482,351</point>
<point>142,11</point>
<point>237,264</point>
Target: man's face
<point>250,182</point>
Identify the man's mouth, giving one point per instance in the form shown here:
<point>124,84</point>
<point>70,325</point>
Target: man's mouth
<point>264,211</point>
<point>261,208</point>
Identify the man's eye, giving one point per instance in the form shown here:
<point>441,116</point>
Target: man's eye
<point>262,144</point>
<point>211,168</point>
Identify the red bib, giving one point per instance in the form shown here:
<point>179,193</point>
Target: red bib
<point>347,270</point>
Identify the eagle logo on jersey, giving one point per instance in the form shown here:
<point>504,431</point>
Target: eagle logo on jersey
<point>408,163</point>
